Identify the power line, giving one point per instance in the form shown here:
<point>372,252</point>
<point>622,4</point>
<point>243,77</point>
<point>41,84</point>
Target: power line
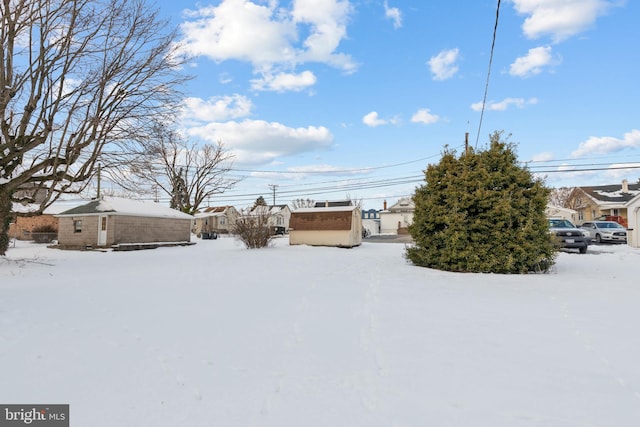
<point>486,87</point>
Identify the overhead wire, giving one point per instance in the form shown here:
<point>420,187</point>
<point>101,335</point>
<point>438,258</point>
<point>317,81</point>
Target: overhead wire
<point>486,87</point>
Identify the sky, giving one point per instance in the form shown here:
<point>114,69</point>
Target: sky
<point>329,99</point>
<point>370,341</point>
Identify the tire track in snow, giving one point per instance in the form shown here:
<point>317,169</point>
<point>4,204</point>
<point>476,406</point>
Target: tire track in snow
<point>374,368</point>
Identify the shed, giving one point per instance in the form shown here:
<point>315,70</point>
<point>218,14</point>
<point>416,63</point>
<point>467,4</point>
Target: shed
<point>112,221</point>
<point>339,226</point>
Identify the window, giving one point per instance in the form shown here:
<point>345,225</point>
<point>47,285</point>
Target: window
<point>581,215</point>
<point>77,226</point>
<point>222,222</point>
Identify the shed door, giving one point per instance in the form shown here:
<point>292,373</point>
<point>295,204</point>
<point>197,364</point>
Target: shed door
<point>102,230</point>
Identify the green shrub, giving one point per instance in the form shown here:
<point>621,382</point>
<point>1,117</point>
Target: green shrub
<point>481,212</point>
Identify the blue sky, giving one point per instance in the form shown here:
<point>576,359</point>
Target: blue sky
<point>329,98</point>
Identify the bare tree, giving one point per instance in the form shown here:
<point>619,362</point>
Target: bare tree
<point>302,203</point>
<point>185,171</point>
<point>253,229</point>
<point>77,76</point>
<point>560,197</point>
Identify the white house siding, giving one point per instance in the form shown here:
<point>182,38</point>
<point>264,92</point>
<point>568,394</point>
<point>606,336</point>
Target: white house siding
<point>371,225</point>
<point>389,221</point>
<point>633,221</point>
<point>562,213</point>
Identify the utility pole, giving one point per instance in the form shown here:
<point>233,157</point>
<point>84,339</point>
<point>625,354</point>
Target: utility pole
<point>466,143</point>
<point>273,187</point>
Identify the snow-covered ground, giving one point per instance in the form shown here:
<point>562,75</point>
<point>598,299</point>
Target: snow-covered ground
<point>217,335</point>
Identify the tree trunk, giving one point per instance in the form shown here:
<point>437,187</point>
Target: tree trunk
<point>5,219</point>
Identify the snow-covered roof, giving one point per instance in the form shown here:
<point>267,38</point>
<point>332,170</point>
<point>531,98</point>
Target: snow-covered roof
<point>271,209</point>
<point>121,206</point>
<point>329,209</point>
<point>612,193</point>
<point>209,214</point>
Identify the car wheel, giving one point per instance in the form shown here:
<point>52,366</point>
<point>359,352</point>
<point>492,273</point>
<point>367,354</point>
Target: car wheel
<point>583,250</point>
<point>598,238</point>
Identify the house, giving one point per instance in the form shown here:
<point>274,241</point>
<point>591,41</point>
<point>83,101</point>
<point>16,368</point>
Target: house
<point>339,226</point>
<point>603,202</point>
<point>633,221</point>
<point>110,221</point>
<point>398,217</point>
<point>561,213</point>
<point>221,219</point>
<point>279,216</point>
<point>370,222</point>
<point>27,224</point>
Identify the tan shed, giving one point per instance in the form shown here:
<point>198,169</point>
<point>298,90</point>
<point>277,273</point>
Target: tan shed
<point>330,226</point>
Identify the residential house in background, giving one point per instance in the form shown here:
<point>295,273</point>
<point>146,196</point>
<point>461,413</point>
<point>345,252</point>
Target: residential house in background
<point>371,222</point>
<point>279,216</point>
<point>221,220</point>
<point>633,221</point>
<point>339,226</point>
<point>27,225</point>
<point>603,202</point>
<point>397,218</point>
<point>561,213</point>
<point>110,221</point>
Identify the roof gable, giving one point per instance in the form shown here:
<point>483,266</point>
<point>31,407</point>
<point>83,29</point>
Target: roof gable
<point>403,205</point>
<point>121,206</point>
<point>611,193</point>
<point>269,210</point>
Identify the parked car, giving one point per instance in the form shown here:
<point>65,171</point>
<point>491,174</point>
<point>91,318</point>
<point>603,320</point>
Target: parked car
<point>606,231</point>
<point>568,235</point>
<point>206,235</point>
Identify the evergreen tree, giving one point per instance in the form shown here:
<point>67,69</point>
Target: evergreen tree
<point>481,212</point>
<point>260,201</point>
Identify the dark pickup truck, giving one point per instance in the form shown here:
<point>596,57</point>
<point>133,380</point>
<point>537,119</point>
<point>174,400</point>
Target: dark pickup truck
<point>568,235</point>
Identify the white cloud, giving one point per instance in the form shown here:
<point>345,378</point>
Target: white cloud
<point>424,116</point>
<point>608,144</point>
<point>504,104</point>
<point>443,65</point>
<point>542,157</point>
<point>533,63</point>
<point>261,142</point>
<point>284,82</point>
<point>560,19</point>
<point>268,36</point>
<point>373,120</point>
<point>394,14</point>
<point>216,108</point>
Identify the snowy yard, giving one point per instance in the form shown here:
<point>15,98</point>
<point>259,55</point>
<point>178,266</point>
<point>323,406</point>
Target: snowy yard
<point>216,335</point>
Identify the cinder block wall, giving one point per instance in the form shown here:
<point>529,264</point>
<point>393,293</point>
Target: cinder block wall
<point>67,236</point>
<point>135,229</point>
